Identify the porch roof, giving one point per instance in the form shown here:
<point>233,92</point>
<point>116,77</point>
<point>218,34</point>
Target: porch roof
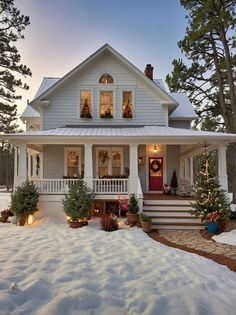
<point>134,132</point>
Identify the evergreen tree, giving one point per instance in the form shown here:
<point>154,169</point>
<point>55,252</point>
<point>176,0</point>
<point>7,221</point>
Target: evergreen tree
<point>12,24</point>
<point>209,76</point>
<point>209,197</point>
<point>209,45</point>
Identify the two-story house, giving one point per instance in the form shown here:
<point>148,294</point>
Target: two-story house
<point>114,126</point>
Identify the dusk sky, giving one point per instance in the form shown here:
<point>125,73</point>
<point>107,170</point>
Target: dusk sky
<point>63,33</point>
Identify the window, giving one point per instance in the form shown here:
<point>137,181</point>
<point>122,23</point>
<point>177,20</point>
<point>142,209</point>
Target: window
<point>109,162</point>
<point>85,104</point>
<point>127,104</point>
<point>106,104</point>
<point>106,79</point>
<point>72,162</point>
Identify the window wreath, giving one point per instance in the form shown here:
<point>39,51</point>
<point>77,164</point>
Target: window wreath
<point>155,166</point>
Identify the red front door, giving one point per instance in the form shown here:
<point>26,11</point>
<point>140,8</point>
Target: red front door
<point>155,174</point>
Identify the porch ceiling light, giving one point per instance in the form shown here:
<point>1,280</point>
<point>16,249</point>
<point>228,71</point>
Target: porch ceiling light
<point>155,149</point>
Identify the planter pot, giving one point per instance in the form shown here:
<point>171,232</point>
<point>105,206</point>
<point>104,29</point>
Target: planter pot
<point>21,220</point>
<point>212,227</point>
<point>230,225</point>
<point>4,218</point>
<point>146,226</point>
<point>132,218</point>
<point>221,226</point>
<point>76,224</point>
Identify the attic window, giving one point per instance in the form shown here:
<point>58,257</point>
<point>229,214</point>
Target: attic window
<point>106,79</point>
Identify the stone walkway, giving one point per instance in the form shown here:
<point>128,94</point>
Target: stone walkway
<point>193,239</point>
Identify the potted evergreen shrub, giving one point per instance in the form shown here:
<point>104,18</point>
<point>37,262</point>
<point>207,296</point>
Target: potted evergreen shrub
<point>77,204</point>
<point>24,201</point>
<point>133,209</point>
<point>146,222</point>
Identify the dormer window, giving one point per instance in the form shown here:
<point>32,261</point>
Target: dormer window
<point>106,79</point>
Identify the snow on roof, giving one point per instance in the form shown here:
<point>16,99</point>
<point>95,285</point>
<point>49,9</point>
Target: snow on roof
<point>185,108</point>
<point>134,131</point>
<point>29,112</point>
<point>46,84</point>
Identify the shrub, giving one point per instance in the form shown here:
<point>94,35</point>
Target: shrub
<point>145,218</point>
<point>24,199</point>
<point>78,202</point>
<point>108,223</point>
<point>133,204</point>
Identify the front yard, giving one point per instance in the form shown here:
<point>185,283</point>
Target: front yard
<point>49,268</point>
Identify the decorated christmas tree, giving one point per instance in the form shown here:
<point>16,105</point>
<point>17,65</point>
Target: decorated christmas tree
<point>209,197</point>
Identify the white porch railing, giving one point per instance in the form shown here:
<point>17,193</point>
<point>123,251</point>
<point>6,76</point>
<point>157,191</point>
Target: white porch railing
<point>110,186</point>
<point>53,186</point>
<point>100,186</point>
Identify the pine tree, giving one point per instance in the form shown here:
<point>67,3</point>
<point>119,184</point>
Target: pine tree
<point>12,24</point>
<point>209,197</point>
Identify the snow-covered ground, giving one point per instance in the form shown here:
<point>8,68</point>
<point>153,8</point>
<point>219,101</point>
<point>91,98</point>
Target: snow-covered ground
<point>51,269</point>
<point>226,238</point>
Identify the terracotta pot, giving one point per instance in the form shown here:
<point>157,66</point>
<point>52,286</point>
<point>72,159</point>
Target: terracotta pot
<point>146,226</point>
<point>21,220</point>
<point>221,226</point>
<point>4,218</point>
<point>75,224</point>
<point>132,218</point>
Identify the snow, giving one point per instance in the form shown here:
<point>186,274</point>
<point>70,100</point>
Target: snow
<point>226,238</point>
<point>49,268</point>
<point>5,198</point>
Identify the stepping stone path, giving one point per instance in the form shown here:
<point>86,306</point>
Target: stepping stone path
<point>193,239</point>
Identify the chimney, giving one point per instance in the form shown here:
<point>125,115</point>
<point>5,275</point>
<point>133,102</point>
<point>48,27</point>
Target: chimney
<point>149,71</point>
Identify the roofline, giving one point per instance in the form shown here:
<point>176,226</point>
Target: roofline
<point>92,57</point>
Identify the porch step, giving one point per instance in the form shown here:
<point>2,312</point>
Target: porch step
<point>171,214</point>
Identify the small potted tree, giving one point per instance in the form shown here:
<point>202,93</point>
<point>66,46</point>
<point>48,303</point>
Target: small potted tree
<point>174,182</point>
<point>24,201</point>
<point>146,222</point>
<point>77,204</point>
<point>133,209</point>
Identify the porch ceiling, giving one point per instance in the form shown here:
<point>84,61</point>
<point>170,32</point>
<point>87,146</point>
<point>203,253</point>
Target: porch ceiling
<point>121,135</point>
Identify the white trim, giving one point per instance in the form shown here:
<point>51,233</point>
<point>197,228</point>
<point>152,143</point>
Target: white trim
<point>110,150</point>
<point>126,89</point>
<point>66,150</point>
<point>92,111</point>
<point>106,88</point>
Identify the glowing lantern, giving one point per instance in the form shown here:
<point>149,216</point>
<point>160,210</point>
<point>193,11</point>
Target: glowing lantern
<point>31,219</point>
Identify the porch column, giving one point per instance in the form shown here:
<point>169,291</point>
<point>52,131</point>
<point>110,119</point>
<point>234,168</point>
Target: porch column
<point>15,167</point>
<point>133,172</point>
<point>22,171</point>
<point>222,169</point>
<point>88,165</point>
<point>191,170</point>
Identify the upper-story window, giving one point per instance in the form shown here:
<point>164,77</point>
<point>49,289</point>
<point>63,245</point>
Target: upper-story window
<point>106,79</point>
<point>106,104</point>
<point>85,104</point>
<point>127,104</point>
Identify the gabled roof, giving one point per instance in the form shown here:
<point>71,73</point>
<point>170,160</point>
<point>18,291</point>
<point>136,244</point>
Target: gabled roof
<point>106,48</point>
<point>29,112</point>
<point>185,110</point>
<point>45,85</point>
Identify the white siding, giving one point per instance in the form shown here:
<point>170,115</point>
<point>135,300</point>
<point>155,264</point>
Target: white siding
<point>173,161</point>
<point>64,103</point>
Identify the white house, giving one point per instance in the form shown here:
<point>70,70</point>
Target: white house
<point>114,126</point>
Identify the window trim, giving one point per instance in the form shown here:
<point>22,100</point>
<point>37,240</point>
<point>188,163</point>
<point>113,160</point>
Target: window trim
<point>66,150</point>
<point>110,150</point>
<point>127,89</point>
<point>85,88</point>
<point>107,88</point>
